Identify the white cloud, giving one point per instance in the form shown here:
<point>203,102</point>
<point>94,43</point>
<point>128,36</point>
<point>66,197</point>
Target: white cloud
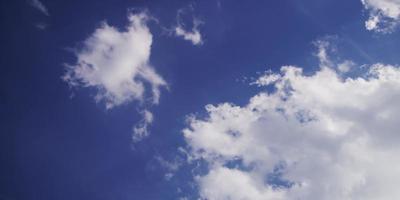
<point>39,6</point>
<point>267,79</point>
<point>140,130</point>
<point>346,66</point>
<point>384,15</point>
<point>325,47</point>
<point>372,23</point>
<point>192,35</point>
<point>223,183</point>
<point>321,136</point>
<point>116,64</point>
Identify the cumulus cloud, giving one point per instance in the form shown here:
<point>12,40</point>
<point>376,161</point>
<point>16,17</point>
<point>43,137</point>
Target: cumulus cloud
<point>384,15</point>
<point>315,136</point>
<point>116,64</point>
<point>39,6</point>
<point>193,35</point>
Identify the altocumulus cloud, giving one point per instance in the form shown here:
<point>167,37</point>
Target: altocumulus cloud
<point>384,15</point>
<point>317,136</point>
<point>116,63</point>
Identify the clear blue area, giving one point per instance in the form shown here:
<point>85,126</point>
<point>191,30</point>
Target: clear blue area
<point>53,147</point>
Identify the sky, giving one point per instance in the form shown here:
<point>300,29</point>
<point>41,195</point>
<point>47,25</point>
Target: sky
<point>213,99</point>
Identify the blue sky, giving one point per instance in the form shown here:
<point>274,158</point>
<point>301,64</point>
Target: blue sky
<point>58,142</point>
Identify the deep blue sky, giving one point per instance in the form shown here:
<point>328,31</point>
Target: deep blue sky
<point>53,146</point>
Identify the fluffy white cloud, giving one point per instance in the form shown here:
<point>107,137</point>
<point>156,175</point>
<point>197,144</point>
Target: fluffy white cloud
<point>192,35</point>
<point>318,136</point>
<point>39,6</point>
<point>223,183</point>
<point>384,15</point>
<point>116,63</point>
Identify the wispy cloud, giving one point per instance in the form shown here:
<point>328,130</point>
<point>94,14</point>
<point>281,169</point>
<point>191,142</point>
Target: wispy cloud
<point>140,130</point>
<point>190,34</point>
<point>39,6</point>
<point>41,25</point>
